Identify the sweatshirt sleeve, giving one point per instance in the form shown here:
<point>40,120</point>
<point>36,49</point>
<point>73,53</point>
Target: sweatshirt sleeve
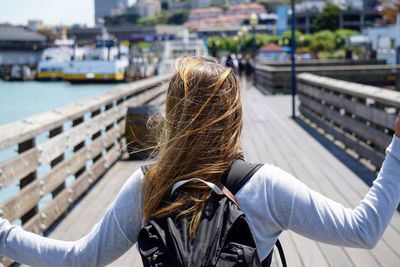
<point>114,234</point>
<point>323,219</point>
<point>284,202</point>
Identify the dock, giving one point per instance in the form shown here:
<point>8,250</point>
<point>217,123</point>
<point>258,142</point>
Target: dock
<point>270,135</point>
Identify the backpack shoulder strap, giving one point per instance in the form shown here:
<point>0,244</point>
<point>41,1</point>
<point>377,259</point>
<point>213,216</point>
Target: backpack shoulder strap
<point>239,173</point>
<point>145,168</point>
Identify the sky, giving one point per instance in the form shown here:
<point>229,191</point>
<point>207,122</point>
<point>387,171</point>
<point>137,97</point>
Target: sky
<point>52,12</point>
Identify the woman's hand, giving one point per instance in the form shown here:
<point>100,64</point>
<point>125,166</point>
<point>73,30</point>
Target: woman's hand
<point>397,131</point>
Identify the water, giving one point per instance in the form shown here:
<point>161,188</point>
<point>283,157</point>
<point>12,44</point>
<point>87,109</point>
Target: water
<point>22,99</point>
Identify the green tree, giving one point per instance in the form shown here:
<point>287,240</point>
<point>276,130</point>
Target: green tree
<point>323,41</point>
<point>287,36</point>
<point>342,36</point>
<point>160,18</point>
<point>215,44</point>
<point>231,44</point>
<point>328,19</point>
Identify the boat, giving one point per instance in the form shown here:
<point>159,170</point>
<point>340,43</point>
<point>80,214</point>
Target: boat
<point>54,60</point>
<point>107,61</point>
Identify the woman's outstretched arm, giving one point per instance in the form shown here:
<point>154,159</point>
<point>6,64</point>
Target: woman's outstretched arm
<point>110,238</point>
<point>273,200</point>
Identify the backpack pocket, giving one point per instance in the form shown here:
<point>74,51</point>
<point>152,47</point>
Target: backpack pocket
<point>236,255</point>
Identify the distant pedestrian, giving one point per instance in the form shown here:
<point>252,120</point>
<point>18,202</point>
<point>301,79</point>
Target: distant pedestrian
<point>232,63</point>
<point>248,69</point>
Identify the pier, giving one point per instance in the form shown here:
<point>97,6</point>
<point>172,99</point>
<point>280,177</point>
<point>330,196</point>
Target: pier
<point>335,146</point>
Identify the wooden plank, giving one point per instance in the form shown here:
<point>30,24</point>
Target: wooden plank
<point>98,169</point>
<point>112,155</point>
<point>18,167</point>
<point>80,186</point>
<point>52,211</point>
<point>369,113</point>
<point>22,202</point>
<point>363,150</point>
<point>53,148</point>
<point>363,131</point>
<point>383,96</point>
<point>58,174</point>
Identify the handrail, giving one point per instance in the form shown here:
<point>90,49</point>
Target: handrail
<point>361,117</point>
<point>84,140</point>
<point>276,78</point>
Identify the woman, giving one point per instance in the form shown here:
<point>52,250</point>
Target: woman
<point>201,138</point>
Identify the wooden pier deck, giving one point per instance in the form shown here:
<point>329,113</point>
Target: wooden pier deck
<point>270,135</point>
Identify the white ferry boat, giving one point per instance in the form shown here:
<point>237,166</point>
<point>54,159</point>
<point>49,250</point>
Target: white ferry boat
<point>55,59</point>
<point>106,62</point>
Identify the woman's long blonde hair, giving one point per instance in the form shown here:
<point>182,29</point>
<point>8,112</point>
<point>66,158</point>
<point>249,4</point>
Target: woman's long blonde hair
<point>200,138</point>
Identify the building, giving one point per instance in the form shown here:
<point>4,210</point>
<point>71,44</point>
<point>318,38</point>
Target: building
<point>318,5</point>
<point>245,9</point>
<point>178,5</point>
<point>103,8</point>
<point>128,32</point>
<point>236,15</point>
<point>20,46</point>
<point>205,13</point>
<point>206,3</point>
<point>385,41</point>
<point>348,19</point>
<point>235,2</point>
<point>148,8</point>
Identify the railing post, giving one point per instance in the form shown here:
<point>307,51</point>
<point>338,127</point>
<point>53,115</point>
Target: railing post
<point>57,160</point>
<point>75,122</point>
<point>22,147</point>
<point>97,134</point>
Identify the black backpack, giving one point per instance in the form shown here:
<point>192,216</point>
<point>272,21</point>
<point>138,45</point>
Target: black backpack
<point>223,238</point>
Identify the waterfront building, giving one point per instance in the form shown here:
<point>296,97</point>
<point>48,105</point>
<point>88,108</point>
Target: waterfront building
<point>103,8</point>
<point>148,8</point>
<point>127,32</point>
<point>19,46</point>
<point>348,19</point>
